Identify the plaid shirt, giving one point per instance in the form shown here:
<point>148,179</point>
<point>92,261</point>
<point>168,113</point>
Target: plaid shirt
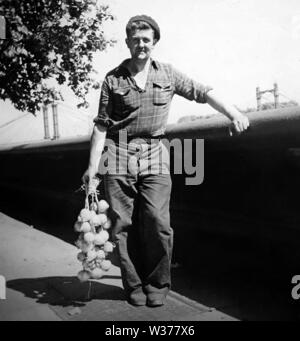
<point>123,105</point>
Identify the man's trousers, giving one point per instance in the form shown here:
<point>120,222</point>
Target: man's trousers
<point>139,209</point>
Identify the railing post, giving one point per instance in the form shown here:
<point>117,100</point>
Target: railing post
<point>55,121</point>
<point>46,122</point>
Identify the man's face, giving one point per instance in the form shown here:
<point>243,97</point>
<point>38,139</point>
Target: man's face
<point>141,43</point>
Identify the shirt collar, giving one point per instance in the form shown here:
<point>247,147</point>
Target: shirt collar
<point>123,65</point>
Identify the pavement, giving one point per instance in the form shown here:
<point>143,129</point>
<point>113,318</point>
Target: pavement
<point>41,285</point>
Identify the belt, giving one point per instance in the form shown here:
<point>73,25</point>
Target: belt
<point>147,139</point>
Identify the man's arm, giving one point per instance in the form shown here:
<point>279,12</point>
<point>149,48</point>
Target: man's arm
<point>240,122</point>
<point>195,91</point>
<point>96,148</point>
<point>102,123</point>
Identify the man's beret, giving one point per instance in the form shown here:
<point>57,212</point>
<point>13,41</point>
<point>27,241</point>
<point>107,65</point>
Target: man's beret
<point>148,20</point>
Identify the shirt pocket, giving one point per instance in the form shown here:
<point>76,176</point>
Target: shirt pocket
<point>162,92</point>
<point>124,99</point>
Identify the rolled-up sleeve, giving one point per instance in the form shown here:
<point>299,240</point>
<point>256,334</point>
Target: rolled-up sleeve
<point>189,88</point>
<point>105,106</point>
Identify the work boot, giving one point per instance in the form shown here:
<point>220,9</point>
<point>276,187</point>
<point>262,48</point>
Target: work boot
<point>137,297</point>
<point>155,299</point>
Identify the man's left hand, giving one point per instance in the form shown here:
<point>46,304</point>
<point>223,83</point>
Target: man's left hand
<point>239,124</point>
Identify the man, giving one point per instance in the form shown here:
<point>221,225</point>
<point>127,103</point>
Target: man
<point>135,100</point>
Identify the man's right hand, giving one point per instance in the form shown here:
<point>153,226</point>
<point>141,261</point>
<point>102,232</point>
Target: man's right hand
<point>90,180</point>
<point>88,175</point>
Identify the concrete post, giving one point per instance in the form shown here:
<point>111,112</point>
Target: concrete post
<point>46,122</point>
<point>55,121</point>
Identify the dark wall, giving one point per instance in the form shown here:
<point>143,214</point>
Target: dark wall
<point>252,183</point>
<point>250,189</point>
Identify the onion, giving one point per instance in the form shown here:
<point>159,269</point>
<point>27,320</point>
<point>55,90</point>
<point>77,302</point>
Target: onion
<point>95,220</point>
<point>77,226</point>
<point>91,255</point>
<point>102,218</point>
<point>108,247</point>
<point>97,273</point>
<point>102,206</point>
<point>107,224</point>
<point>99,240</point>
<point>100,254</point>
<point>89,237</point>
<point>83,275</point>
<point>92,265</point>
<point>81,256</point>
<point>86,227</point>
<point>105,265</point>
<point>85,214</point>
<point>104,235</point>
<point>98,263</point>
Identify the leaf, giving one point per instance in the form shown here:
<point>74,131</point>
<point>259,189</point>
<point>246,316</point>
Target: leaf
<point>23,29</point>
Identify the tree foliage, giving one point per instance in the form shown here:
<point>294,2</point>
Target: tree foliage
<point>49,39</point>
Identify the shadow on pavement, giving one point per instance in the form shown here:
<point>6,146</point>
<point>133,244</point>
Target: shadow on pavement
<point>65,291</point>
